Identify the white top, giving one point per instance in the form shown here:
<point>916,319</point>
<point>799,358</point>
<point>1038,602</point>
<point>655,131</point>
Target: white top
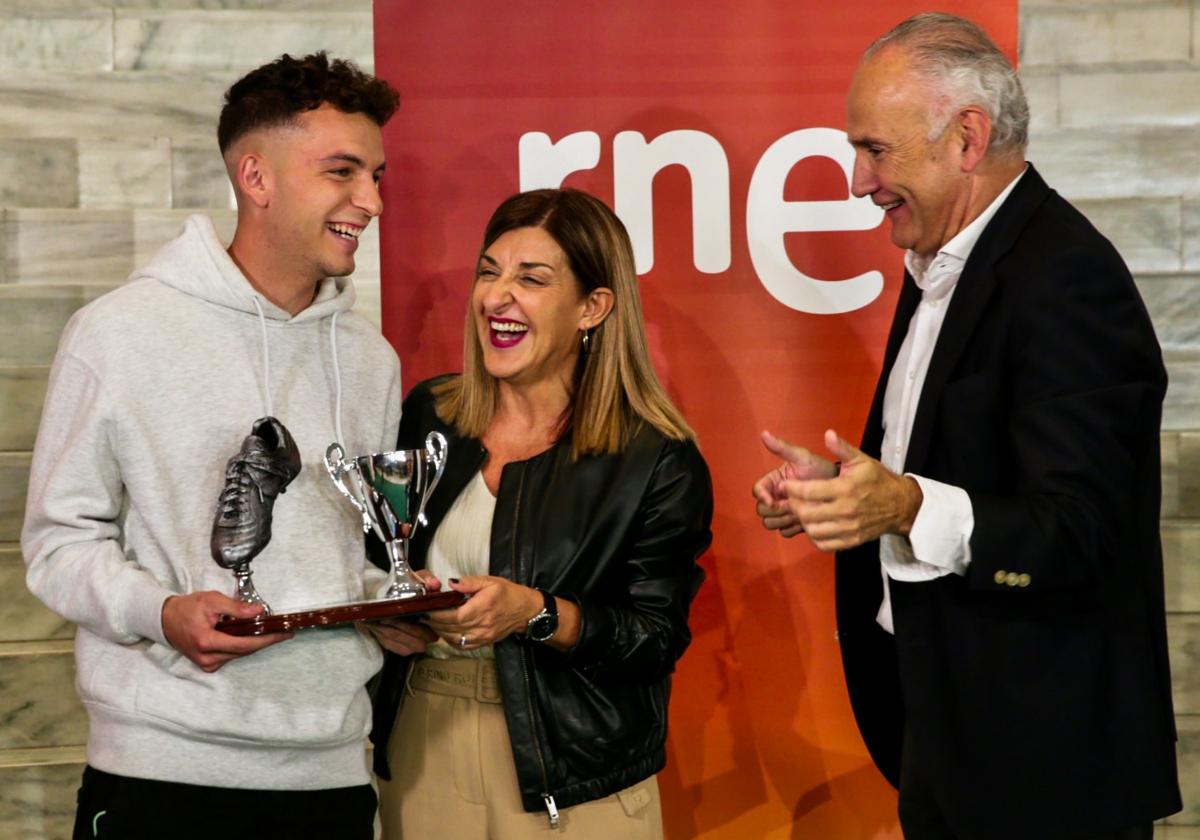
<point>461,547</point>
<point>940,541</point>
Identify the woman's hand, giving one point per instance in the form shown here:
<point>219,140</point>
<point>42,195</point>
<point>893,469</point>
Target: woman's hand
<point>403,635</point>
<point>497,609</point>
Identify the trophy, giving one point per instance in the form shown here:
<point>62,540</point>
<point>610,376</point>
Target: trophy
<point>262,469</point>
<point>390,490</point>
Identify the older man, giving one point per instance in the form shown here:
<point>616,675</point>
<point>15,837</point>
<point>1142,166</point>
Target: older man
<point>1000,595</point>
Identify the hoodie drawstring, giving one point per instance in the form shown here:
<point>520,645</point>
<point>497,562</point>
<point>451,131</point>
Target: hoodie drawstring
<point>337,369</point>
<point>266,348</point>
<point>337,380</point>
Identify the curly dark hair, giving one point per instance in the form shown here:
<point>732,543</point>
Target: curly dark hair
<point>276,93</point>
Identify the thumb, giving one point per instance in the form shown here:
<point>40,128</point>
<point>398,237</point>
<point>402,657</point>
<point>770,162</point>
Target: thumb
<point>837,447</point>
<point>222,604</point>
<point>431,583</point>
<point>781,448</point>
<point>468,583</point>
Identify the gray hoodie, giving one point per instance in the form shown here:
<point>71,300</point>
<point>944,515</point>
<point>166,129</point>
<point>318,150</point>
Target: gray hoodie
<point>154,387</point>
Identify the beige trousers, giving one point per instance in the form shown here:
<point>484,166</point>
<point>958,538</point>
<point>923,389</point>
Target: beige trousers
<point>453,774</point>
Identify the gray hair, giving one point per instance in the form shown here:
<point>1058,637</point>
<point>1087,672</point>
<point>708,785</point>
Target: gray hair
<point>967,68</point>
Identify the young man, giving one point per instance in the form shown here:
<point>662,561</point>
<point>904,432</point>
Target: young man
<point>999,576</point>
<point>194,732</point>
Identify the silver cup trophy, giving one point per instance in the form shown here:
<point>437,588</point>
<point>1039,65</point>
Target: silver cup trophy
<point>390,490</point>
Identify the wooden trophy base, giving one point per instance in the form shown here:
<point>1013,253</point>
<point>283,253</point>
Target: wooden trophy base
<point>341,614</point>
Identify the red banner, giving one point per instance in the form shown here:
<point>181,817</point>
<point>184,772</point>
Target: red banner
<point>715,130</point>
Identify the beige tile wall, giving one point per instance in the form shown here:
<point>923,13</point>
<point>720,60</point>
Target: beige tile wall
<point>107,143</point>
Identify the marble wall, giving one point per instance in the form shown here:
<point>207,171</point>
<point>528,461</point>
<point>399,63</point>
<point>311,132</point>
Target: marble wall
<point>107,115</point>
<point>107,143</point>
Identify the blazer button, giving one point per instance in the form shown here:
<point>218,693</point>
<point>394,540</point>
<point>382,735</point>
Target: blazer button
<point>1024,580</point>
<point>1000,576</point>
<point>1011,578</point>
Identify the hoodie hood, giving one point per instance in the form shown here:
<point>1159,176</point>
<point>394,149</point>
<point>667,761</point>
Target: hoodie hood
<point>197,264</point>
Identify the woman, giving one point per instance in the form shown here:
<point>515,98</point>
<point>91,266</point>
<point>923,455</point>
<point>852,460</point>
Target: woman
<point>573,507</point>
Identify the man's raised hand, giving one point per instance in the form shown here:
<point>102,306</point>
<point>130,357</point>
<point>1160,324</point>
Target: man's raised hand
<point>799,464</point>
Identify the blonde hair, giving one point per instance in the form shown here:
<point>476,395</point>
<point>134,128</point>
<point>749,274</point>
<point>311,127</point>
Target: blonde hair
<point>615,389</point>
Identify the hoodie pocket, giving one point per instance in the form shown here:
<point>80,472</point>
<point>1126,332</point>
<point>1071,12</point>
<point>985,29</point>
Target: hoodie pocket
<point>308,690</point>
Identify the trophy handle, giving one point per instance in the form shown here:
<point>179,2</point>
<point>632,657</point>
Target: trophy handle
<point>435,448</point>
<point>336,464</point>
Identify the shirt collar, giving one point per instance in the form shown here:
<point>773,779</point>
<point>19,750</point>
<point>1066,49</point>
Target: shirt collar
<point>953,255</point>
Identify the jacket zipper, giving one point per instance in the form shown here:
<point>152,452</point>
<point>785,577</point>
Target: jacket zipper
<point>551,809</point>
<point>547,797</point>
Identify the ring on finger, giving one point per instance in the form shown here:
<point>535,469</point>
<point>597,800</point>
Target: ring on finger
<point>462,640</point>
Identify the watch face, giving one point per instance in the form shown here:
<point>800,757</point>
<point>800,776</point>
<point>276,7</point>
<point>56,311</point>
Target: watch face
<point>542,627</point>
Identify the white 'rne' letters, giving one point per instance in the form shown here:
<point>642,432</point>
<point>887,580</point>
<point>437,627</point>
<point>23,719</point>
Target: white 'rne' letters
<point>544,163</point>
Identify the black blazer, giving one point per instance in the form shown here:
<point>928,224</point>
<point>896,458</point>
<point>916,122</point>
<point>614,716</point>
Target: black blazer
<point>1036,688</point>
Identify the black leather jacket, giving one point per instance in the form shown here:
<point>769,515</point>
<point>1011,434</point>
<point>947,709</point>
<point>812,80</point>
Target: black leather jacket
<point>617,534</point>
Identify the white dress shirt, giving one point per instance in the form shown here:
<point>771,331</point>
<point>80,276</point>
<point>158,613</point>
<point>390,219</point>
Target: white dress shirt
<point>940,541</point>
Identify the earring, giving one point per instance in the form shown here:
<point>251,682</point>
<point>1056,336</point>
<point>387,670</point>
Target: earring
<point>586,336</point>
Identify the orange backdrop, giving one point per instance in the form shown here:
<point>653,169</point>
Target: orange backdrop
<point>753,322</point>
